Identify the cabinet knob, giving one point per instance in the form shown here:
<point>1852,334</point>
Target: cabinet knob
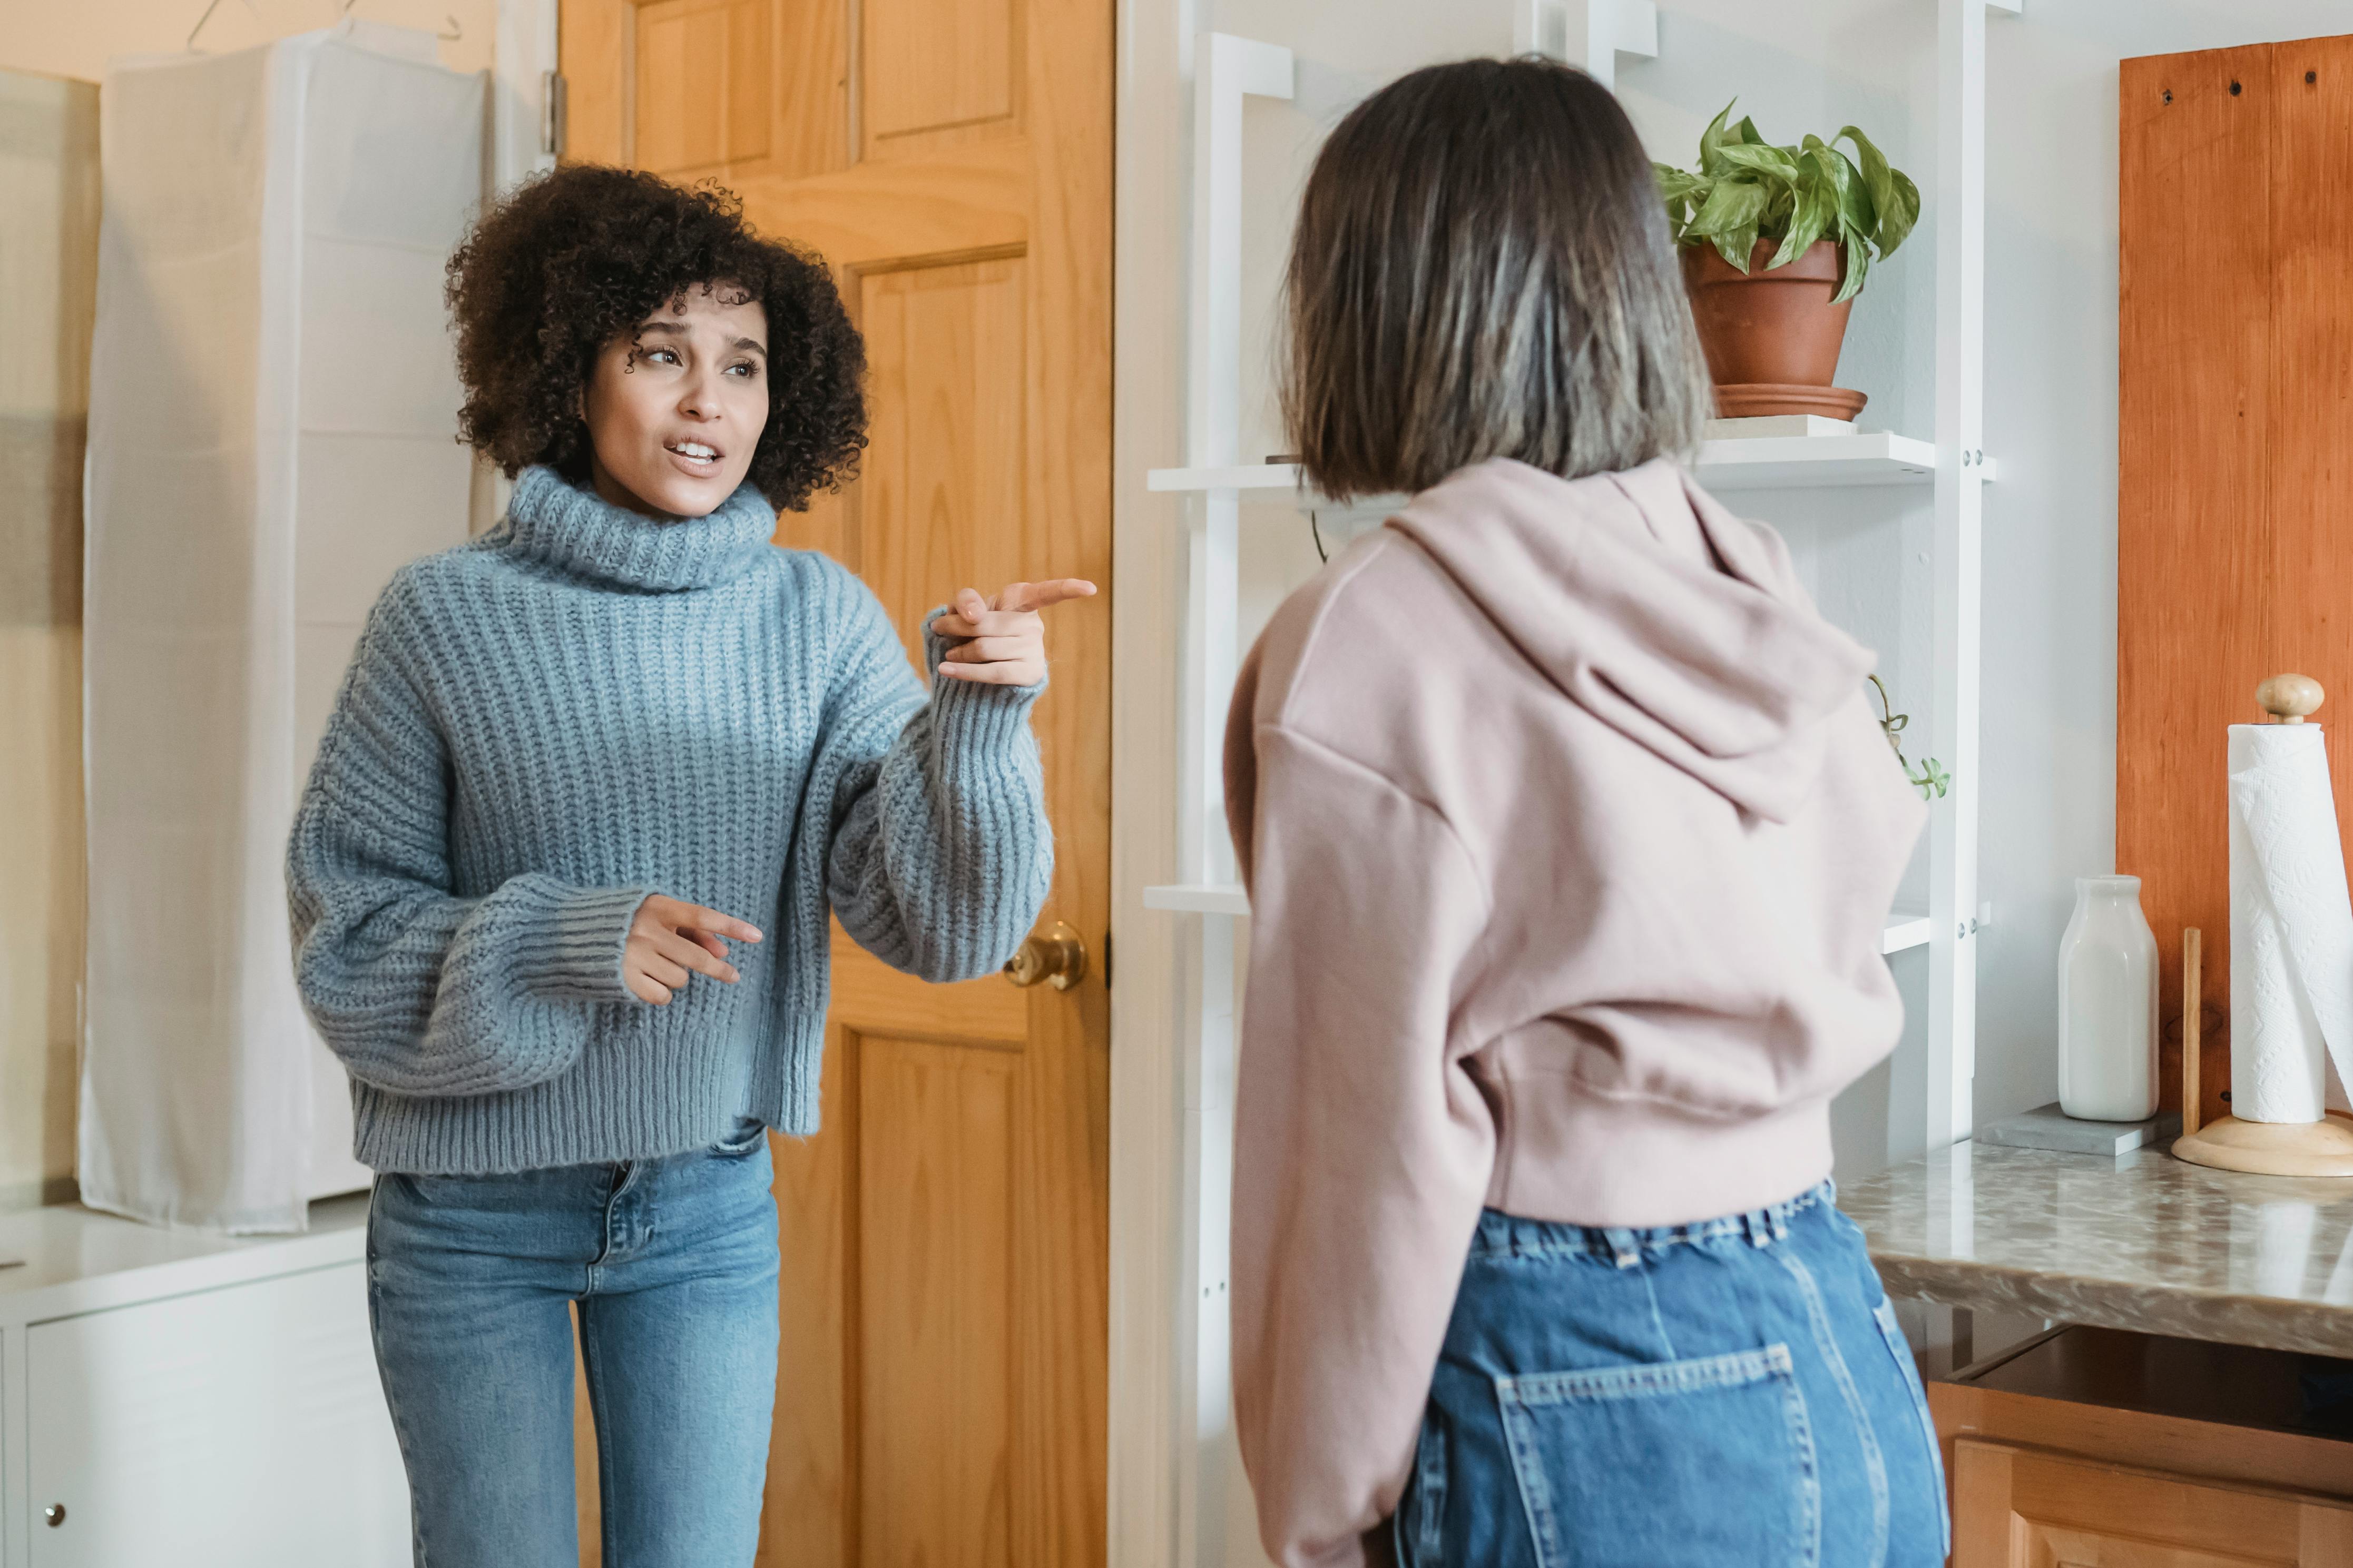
<point>1055,956</point>
<point>55,1513</point>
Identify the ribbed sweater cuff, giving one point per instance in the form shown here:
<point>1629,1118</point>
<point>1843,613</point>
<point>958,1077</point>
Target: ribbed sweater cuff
<point>969,714</point>
<point>569,948</point>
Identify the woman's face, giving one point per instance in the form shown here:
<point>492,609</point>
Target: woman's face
<point>674,413</point>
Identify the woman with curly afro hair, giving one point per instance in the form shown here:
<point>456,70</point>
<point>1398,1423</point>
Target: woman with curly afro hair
<point>562,880</point>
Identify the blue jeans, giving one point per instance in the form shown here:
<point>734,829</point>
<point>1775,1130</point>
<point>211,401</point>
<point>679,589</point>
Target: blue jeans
<point>1735,1393</point>
<point>673,1262</point>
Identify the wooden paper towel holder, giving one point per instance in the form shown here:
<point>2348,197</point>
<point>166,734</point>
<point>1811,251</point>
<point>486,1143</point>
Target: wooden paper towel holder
<point>2322,1148</point>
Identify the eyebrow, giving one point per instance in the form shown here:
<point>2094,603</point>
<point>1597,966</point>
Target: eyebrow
<point>675,329</point>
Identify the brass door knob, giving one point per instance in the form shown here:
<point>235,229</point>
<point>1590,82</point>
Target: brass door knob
<point>1054,955</point>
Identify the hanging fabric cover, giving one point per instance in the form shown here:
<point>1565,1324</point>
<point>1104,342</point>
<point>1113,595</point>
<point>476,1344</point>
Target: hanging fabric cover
<point>272,422</point>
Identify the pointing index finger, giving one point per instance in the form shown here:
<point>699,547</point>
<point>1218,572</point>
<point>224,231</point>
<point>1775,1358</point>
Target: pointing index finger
<point>1032,596</point>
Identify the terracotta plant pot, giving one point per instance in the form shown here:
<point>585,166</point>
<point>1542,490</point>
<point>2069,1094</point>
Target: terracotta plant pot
<point>1772,339</point>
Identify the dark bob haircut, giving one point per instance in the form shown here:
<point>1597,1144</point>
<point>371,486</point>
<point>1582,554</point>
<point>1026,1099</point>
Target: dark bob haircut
<point>574,259</point>
<point>1482,269</point>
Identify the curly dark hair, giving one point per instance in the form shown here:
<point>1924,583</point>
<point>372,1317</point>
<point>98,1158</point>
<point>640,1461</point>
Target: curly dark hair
<point>570,260</point>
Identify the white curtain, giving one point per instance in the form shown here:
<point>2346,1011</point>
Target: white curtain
<point>272,433</point>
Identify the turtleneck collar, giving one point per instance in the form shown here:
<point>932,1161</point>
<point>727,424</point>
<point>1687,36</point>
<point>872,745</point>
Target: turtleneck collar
<point>580,532</point>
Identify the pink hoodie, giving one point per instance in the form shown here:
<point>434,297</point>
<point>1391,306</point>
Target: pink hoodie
<point>1570,839</point>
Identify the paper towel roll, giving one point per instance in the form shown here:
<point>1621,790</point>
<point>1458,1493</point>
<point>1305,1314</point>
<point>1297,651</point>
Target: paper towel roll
<point>2291,929</point>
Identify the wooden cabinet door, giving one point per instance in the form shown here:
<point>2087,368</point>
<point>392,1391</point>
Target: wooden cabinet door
<point>941,1394</point>
<point>2018,1508</point>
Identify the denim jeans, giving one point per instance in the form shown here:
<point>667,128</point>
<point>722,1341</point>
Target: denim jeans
<point>471,1285</point>
<point>1734,1393</point>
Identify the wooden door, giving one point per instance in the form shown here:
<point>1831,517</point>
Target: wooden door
<point>941,1394</point>
<point>2018,1508</point>
<point>2234,452</point>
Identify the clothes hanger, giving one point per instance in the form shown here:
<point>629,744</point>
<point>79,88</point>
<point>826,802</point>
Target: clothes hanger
<point>457,28</point>
<point>214,6</point>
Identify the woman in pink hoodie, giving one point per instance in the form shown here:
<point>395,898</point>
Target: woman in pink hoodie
<point>1570,838</point>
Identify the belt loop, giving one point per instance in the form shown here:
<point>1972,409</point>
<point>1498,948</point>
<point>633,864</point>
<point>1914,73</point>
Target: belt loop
<point>1624,1249</point>
<point>1760,1228</point>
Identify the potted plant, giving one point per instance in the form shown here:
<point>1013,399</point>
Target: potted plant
<point>1776,242</point>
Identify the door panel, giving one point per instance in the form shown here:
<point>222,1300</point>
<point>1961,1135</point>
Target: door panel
<point>939,503</point>
<point>935,1134</point>
<point>704,76</point>
<point>940,1393</point>
<point>938,65</point>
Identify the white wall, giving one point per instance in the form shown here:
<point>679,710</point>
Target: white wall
<point>77,38</point>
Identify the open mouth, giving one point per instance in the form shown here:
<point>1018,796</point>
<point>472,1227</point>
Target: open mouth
<point>694,454</point>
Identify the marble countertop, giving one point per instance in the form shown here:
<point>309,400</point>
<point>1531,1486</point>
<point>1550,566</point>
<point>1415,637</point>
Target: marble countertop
<point>2142,1241</point>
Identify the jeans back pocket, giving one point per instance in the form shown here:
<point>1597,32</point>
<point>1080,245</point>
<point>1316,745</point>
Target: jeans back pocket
<point>1701,1462</point>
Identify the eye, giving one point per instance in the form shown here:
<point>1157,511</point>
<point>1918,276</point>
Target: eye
<point>661,356</point>
<point>747,368</point>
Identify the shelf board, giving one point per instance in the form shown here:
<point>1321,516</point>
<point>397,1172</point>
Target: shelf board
<point>1744,463</point>
<point>1903,931</point>
<point>1805,462</point>
<point>1241,477</point>
<point>1199,897</point>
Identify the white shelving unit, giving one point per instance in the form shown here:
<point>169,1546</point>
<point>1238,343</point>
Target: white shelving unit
<point>1754,463</point>
<point>1215,480</point>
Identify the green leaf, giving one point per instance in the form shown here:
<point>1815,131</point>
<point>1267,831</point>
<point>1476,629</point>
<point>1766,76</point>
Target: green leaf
<point>1736,245</point>
<point>1681,191</point>
<point>1711,143</point>
<point>1876,173</point>
<point>1856,254</point>
<point>1809,216</point>
<point>1673,182</point>
<point>1855,198</point>
<point>1763,160</point>
<point>1836,173</point>
<point>1748,131</point>
<point>1896,223</point>
<point>1892,219</point>
<point>1732,205</point>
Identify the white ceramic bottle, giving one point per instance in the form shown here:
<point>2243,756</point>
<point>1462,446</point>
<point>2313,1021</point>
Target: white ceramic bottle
<point>2107,1005</point>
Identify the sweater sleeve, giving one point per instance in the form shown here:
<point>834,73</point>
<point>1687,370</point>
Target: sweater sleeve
<point>418,991</point>
<point>940,856</point>
<point>1362,1149</point>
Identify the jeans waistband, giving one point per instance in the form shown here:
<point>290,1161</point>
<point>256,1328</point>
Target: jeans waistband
<point>1508,1236</point>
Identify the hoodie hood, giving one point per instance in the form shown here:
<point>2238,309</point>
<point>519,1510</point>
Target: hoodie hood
<point>1658,612</point>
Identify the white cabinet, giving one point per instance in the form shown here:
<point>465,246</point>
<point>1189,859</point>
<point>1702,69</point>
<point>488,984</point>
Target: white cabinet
<point>241,1426</point>
<point>175,1397</point>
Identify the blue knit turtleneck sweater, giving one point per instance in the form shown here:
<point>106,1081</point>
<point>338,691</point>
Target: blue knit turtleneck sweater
<point>583,707</point>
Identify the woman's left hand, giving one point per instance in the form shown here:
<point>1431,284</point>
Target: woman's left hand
<point>1002,641</point>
